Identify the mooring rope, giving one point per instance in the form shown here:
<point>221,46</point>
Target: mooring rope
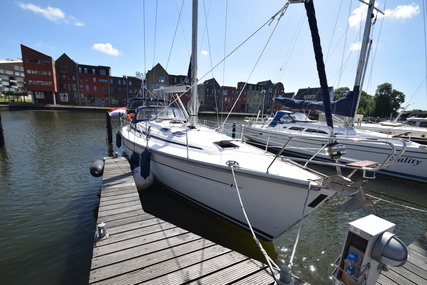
<point>300,226</point>
<point>397,204</point>
<point>270,262</point>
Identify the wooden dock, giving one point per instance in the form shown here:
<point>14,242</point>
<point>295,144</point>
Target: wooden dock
<point>142,249</point>
<point>414,271</point>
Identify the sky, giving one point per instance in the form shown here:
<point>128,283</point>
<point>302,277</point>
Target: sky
<point>238,40</point>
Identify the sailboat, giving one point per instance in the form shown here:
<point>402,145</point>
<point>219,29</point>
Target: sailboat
<point>292,129</point>
<point>257,190</point>
<point>413,129</point>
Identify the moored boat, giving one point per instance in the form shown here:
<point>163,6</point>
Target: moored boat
<point>260,191</point>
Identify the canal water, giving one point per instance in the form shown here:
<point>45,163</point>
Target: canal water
<point>48,206</point>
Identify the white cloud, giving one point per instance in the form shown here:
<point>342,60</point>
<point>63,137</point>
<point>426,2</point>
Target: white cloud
<point>106,48</point>
<point>50,13</point>
<point>402,12</point>
<point>204,52</point>
<point>355,46</point>
<point>76,22</point>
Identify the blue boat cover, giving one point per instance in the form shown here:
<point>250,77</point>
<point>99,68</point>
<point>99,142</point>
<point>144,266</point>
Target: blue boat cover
<point>345,106</point>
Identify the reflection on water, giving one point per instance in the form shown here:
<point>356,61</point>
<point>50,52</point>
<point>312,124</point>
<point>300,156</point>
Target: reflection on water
<point>47,198</point>
<point>48,202</point>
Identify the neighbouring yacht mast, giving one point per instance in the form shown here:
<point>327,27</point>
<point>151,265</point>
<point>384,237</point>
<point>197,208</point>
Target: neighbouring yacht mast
<point>363,59</point>
<point>194,99</point>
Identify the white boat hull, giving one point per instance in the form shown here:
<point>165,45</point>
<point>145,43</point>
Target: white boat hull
<point>411,165</point>
<point>415,134</point>
<point>272,203</point>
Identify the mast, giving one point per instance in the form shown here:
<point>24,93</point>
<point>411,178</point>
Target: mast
<point>194,99</point>
<point>363,59</point>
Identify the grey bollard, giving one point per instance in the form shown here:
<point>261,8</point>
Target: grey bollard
<point>285,276</point>
<point>101,231</point>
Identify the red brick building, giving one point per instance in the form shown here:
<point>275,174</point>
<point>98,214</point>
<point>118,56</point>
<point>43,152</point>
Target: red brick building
<point>40,75</point>
<point>93,84</point>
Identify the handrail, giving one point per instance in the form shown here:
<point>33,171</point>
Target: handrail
<point>388,161</point>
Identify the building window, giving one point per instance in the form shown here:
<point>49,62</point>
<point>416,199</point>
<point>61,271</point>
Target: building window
<point>85,69</point>
<point>111,81</point>
<point>94,88</point>
<point>94,79</point>
<point>93,70</point>
<point>87,87</point>
<point>102,72</point>
<point>162,78</point>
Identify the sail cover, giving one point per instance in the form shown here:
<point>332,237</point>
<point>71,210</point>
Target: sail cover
<point>343,107</point>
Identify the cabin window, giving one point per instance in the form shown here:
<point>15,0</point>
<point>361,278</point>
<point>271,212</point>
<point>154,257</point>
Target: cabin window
<point>315,131</point>
<point>226,144</point>
<point>296,128</point>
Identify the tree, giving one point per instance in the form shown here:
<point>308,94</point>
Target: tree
<point>387,100</point>
<point>340,93</point>
<point>366,104</point>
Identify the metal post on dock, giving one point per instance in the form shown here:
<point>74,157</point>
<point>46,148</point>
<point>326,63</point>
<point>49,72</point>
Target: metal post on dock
<point>109,129</point>
<point>233,131</point>
<point>1,134</point>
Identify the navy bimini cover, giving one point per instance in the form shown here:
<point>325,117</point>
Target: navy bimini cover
<point>345,106</point>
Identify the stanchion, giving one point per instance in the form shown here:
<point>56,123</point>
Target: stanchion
<point>1,134</point>
<point>109,129</point>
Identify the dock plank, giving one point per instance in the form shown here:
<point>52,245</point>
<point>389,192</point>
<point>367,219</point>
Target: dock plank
<point>414,271</point>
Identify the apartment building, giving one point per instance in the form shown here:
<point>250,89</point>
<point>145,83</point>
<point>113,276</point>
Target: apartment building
<point>40,75</point>
<point>68,91</point>
<point>12,83</point>
<point>232,100</point>
<point>65,81</point>
<point>212,96</point>
<point>93,84</point>
<point>123,88</point>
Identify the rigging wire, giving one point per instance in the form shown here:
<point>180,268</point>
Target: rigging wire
<point>155,32</point>
<point>280,14</point>
<point>371,62</point>
<point>291,47</point>
<point>333,31</point>
<point>143,13</point>
<point>281,11</point>
<point>425,41</point>
<point>210,53</point>
<point>344,48</point>
<point>174,35</point>
<point>225,45</point>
